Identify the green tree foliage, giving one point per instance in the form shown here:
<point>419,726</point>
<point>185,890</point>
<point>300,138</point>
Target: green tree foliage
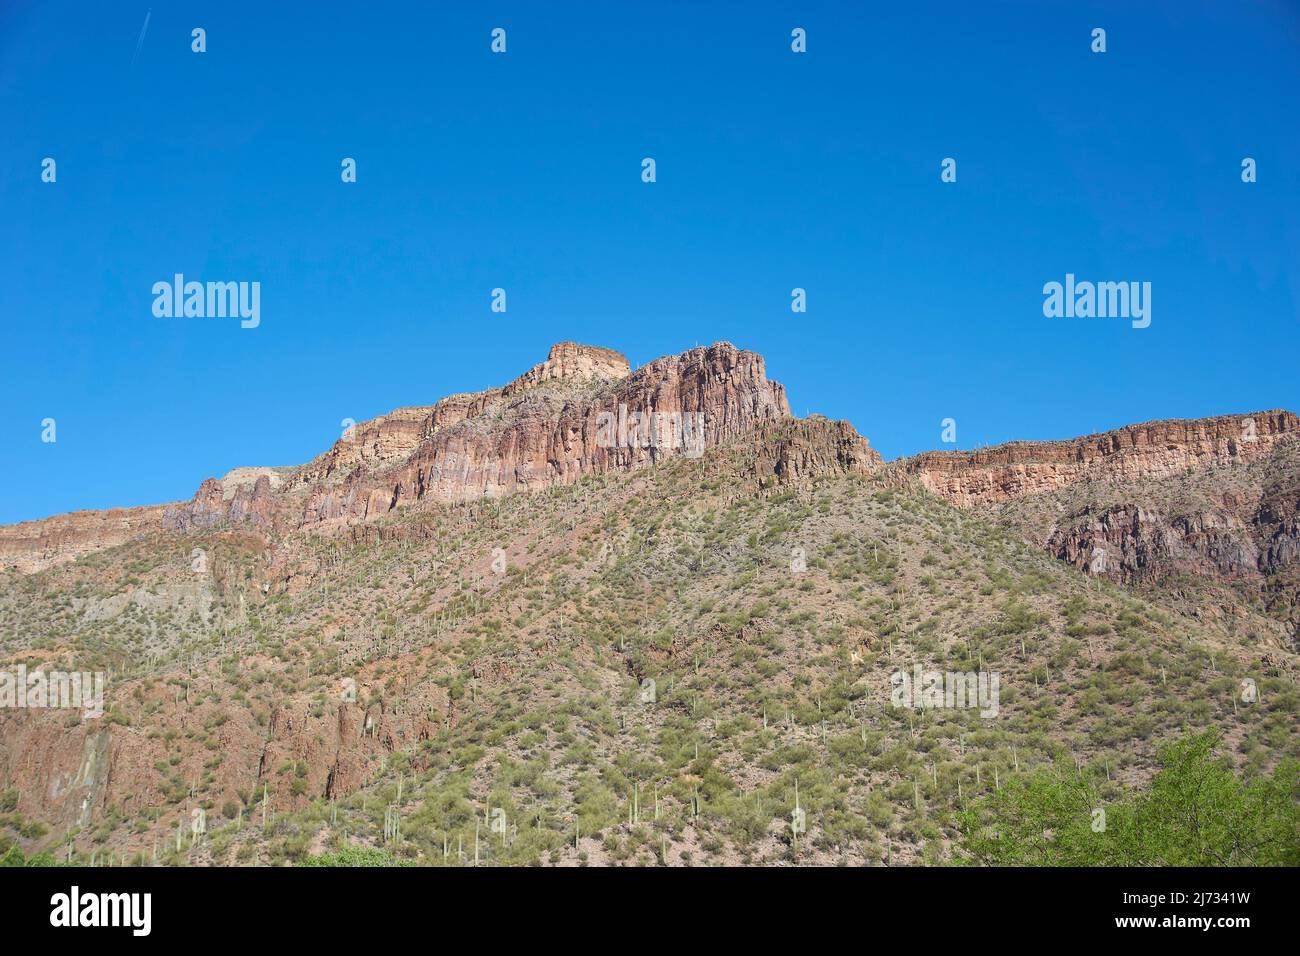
<point>1196,812</point>
<point>14,857</point>
<point>355,856</point>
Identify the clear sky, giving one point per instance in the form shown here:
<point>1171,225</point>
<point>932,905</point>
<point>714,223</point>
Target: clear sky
<point>522,170</point>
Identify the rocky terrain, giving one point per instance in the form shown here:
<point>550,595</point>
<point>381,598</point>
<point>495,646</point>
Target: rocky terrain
<point>629,609</point>
<point>991,476</point>
<point>1214,500</point>
<point>33,545</point>
<point>542,429</point>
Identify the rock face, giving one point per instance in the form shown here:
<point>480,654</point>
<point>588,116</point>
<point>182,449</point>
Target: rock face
<point>579,413</point>
<point>573,362</point>
<point>211,506</point>
<point>809,447</point>
<point>1153,449</point>
<point>583,411</point>
<point>1215,499</point>
<point>34,545</point>
<point>1129,542</point>
<point>1228,536</point>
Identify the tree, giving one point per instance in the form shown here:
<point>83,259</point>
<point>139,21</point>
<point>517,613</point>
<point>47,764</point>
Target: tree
<point>1196,812</point>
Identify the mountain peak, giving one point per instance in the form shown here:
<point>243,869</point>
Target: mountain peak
<point>570,360</point>
<point>581,412</point>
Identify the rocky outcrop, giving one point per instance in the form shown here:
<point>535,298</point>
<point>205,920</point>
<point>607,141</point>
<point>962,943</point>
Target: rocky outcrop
<point>810,447</point>
<point>210,506</point>
<point>35,545</point>
<point>1130,542</point>
<point>1217,499</point>
<point>381,441</point>
<point>989,476</point>
<point>1240,541</point>
<point>1276,525</point>
<point>581,412</point>
<point>569,361</point>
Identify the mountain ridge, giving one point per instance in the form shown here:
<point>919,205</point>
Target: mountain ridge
<point>398,458</point>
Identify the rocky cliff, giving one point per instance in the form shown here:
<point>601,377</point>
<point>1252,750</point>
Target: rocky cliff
<point>1152,449</point>
<point>1214,499</point>
<point>1101,503</point>
<point>583,411</point>
<point>579,413</point>
<point>33,545</point>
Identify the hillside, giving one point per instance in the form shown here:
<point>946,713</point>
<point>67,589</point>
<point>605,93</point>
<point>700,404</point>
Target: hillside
<point>457,608</point>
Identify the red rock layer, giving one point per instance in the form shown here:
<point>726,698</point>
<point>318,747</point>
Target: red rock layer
<point>1153,449</point>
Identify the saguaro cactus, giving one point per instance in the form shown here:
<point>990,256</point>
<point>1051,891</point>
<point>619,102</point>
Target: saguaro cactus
<point>798,818</point>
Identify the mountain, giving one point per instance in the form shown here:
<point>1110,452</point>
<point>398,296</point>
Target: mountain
<point>1214,500</point>
<point>629,612</point>
<point>580,413</point>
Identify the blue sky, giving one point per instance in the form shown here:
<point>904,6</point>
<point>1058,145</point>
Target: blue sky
<point>775,170</point>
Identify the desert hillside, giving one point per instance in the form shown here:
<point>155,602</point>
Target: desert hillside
<point>644,616</point>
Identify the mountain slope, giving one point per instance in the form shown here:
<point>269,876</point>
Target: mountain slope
<point>1203,509</point>
<point>446,656</point>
